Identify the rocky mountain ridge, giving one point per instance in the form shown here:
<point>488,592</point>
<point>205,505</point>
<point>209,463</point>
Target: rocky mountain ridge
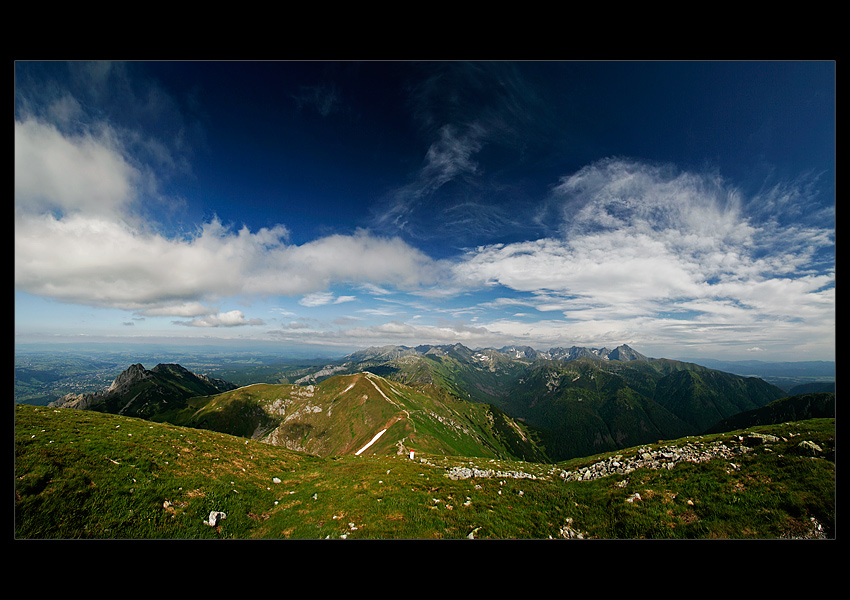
<point>385,353</point>
<point>139,392</point>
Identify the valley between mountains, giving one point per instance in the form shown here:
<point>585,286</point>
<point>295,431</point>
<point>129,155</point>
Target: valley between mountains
<point>612,422</point>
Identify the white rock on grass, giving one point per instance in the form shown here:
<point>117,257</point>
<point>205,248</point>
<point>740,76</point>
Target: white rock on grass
<point>214,518</point>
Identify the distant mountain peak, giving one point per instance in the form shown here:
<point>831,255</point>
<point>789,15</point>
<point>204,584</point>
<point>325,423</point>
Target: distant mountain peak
<point>131,375</point>
<point>139,392</point>
<point>624,353</point>
<point>170,368</point>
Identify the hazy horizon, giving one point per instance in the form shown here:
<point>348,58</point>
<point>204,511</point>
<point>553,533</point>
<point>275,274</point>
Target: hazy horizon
<point>168,346</point>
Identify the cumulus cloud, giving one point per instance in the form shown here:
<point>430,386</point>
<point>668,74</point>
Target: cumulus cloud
<point>75,241</point>
<point>643,253</point>
<point>101,262</point>
<point>69,174</point>
<point>233,318</point>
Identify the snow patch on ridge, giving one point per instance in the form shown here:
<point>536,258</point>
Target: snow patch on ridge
<point>372,441</point>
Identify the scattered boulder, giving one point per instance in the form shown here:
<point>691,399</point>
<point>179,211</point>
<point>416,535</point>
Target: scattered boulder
<point>215,518</point>
<point>809,448</point>
<point>757,439</point>
<point>568,532</point>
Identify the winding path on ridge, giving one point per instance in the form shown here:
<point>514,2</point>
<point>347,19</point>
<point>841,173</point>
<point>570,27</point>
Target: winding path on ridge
<point>369,376</point>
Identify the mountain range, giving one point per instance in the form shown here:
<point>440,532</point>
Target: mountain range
<point>587,400</point>
<point>513,402</point>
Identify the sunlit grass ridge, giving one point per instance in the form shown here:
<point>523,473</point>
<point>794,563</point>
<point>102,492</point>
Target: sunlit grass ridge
<point>82,474</point>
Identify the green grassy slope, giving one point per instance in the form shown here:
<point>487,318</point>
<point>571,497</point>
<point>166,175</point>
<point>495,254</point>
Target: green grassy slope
<point>83,474</point>
<point>342,414</point>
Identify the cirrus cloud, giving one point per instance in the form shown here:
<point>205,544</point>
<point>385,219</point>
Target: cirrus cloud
<point>644,250</point>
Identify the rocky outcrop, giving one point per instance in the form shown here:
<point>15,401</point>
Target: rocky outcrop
<point>131,376</point>
<point>78,401</point>
<point>456,473</point>
<point>666,457</point>
<point>141,393</point>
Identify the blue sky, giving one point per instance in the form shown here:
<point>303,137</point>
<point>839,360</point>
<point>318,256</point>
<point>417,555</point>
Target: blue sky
<point>684,208</point>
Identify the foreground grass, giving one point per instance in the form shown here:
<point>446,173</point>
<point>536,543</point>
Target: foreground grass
<point>82,474</point>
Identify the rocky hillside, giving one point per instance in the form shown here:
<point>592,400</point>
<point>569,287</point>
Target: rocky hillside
<point>593,406</point>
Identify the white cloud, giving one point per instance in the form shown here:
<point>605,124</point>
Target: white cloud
<point>70,173</point>
<point>449,157</point>
<point>380,312</point>
<point>323,298</point>
<point>644,253</point>
<point>233,318</point>
<point>397,332</point>
<point>183,309</point>
<point>375,290</point>
<point>648,253</point>
<point>317,299</point>
<point>75,240</point>
<point>102,262</point>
